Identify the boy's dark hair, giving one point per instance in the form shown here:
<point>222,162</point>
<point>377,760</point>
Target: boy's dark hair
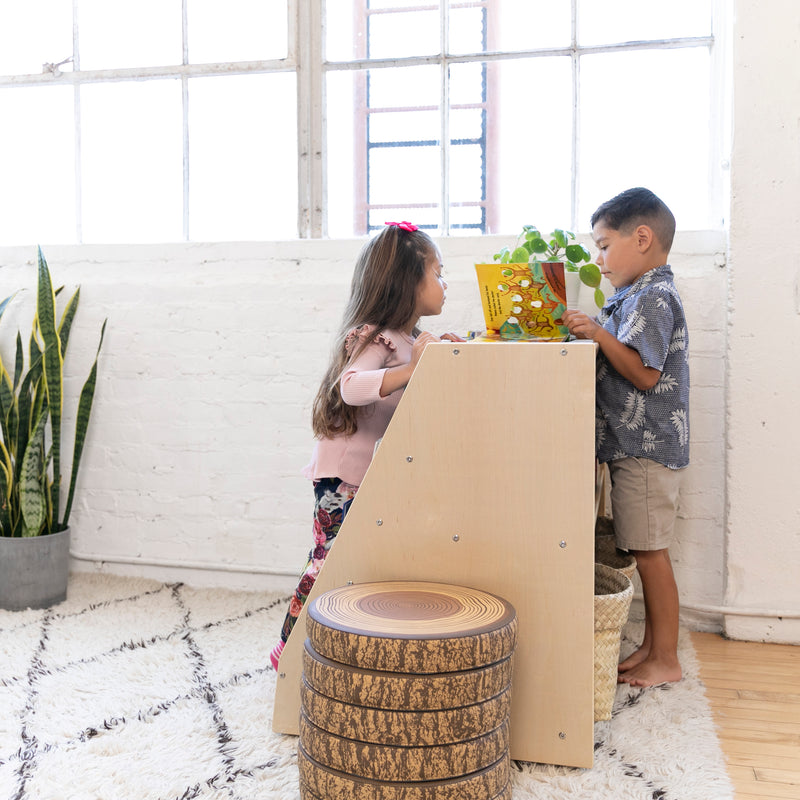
<point>634,207</point>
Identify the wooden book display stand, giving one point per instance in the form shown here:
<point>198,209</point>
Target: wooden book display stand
<point>485,478</point>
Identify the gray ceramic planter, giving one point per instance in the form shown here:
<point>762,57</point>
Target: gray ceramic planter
<point>33,571</point>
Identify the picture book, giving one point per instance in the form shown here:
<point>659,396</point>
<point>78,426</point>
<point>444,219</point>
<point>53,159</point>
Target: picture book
<point>523,302</point>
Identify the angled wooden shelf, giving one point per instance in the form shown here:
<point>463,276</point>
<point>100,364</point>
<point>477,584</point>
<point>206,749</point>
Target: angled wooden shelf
<point>485,478</point>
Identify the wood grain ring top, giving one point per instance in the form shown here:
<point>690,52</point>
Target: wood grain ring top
<point>412,626</point>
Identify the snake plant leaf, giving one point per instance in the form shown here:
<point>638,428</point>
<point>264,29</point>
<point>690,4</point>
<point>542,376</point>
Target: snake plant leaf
<point>81,425</point>
<point>4,303</point>
<point>31,486</point>
<point>53,365</point>
<point>19,362</point>
<point>67,317</point>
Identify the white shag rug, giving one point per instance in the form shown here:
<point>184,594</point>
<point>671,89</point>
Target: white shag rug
<point>137,690</point>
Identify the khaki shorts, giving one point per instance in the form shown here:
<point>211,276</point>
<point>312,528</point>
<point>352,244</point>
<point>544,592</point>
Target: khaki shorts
<point>644,503</point>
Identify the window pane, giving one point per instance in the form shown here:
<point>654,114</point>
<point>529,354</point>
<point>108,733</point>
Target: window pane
<point>528,25</point>
<point>26,44</point>
<point>129,33</point>
<point>467,30</point>
<point>627,21</point>
<point>404,87</point>
<point>400,126</point>
<point>37,164</point>
<point>404,33</point>
<point>466,173</point>
<point>345,137</point>
<point>236,30</point>
<point>404,175</point>
<point>132,161</point>
<point>530,143</point>
<point>661,141</point>
<point>243,157</point>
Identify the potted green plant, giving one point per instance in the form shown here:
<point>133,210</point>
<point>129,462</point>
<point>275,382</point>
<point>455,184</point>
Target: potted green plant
<point>558,246</point>
<point>34,530</point>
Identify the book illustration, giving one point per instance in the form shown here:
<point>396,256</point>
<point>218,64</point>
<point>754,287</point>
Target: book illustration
<point>523,302</point>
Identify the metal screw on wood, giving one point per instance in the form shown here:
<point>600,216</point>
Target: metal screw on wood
<point>562,735</point>
<point>456,537</point>
<point>409,459</point>
<point>562,544</point>
<point>379,522</point>
<point>564,351</point>
<point>456,352</point>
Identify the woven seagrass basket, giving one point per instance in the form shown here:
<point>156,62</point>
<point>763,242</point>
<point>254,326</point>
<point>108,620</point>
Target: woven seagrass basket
<point>613,592</point>
<point>606,551</point>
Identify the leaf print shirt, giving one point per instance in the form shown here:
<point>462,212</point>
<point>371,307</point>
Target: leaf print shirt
<point>647,316</point>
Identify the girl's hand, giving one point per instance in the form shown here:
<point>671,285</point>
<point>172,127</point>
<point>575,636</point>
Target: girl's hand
<point>419,345</point>
<point>581,325</point>
<point>452,337</point>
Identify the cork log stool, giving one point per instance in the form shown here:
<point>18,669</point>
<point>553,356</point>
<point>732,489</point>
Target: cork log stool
<point>484,478</point>
<point>405,631</point>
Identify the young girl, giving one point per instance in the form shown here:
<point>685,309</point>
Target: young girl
<point>397,280</point>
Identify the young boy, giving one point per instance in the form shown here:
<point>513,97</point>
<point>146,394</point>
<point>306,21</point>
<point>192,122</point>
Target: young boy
<point>642,408</point>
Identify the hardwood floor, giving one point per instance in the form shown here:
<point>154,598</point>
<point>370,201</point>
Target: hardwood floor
<point>754,691</point>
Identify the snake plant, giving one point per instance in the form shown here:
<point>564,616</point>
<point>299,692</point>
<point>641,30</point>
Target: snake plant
<point>31,413</point>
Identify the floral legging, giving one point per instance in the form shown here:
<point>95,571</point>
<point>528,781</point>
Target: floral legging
<point>332,502</point>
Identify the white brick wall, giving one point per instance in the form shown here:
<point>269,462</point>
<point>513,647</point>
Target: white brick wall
<point>212,357</point>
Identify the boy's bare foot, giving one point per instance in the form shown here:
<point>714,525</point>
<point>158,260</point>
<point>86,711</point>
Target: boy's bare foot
<point>634,659</point>
<point>651,672</point>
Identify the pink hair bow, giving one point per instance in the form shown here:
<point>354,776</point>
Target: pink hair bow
<point>406,226</point>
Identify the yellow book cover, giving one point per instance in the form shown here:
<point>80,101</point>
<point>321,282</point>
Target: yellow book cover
<point>523,302</point>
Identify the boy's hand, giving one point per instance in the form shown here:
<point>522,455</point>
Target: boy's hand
<point>581,325</point>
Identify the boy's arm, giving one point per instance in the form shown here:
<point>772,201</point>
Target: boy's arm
<point>624,359</point>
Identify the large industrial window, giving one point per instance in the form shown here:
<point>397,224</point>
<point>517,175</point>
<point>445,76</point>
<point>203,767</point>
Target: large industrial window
<point>195,120</point>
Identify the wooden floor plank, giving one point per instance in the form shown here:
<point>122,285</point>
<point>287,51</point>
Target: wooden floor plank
<point>754,692</point>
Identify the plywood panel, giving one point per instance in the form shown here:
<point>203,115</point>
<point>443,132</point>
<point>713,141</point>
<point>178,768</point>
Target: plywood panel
<point>485,478</point>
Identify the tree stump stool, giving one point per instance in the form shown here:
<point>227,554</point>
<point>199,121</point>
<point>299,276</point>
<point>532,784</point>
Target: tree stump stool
<point>406,693</point>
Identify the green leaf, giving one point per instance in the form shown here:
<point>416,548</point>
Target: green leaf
<point>559,237</point>
<point>32,484</point>
<point>577,252</point>
<point>5,303</point>
<point>53,365</point>
<point>81,425</point>
<point>590,275</point>
<point>67,318</point>
<point>599,298</point>
<point>539,245</point>
<point>520,256</point>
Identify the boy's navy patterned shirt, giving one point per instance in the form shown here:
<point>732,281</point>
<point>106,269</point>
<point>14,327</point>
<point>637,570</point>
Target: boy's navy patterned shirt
<point>647,316</point>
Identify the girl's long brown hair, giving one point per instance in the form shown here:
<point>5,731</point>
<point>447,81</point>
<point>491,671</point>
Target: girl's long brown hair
<point>383,293</point>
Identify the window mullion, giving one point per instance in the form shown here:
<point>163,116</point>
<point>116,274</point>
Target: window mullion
<point>576,76</point>
<point>185,116</point>
<point>312,216</point>
<point>76,93</point>
<point>444,15</point>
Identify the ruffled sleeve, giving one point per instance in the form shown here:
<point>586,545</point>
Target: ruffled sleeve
<point>363,334</point>
<point>361,381</point>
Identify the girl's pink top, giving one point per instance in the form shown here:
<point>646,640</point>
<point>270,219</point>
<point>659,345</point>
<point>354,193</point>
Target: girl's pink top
<point>347,457</point>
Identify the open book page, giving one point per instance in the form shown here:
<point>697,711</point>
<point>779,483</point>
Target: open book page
<point>523,302</point>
